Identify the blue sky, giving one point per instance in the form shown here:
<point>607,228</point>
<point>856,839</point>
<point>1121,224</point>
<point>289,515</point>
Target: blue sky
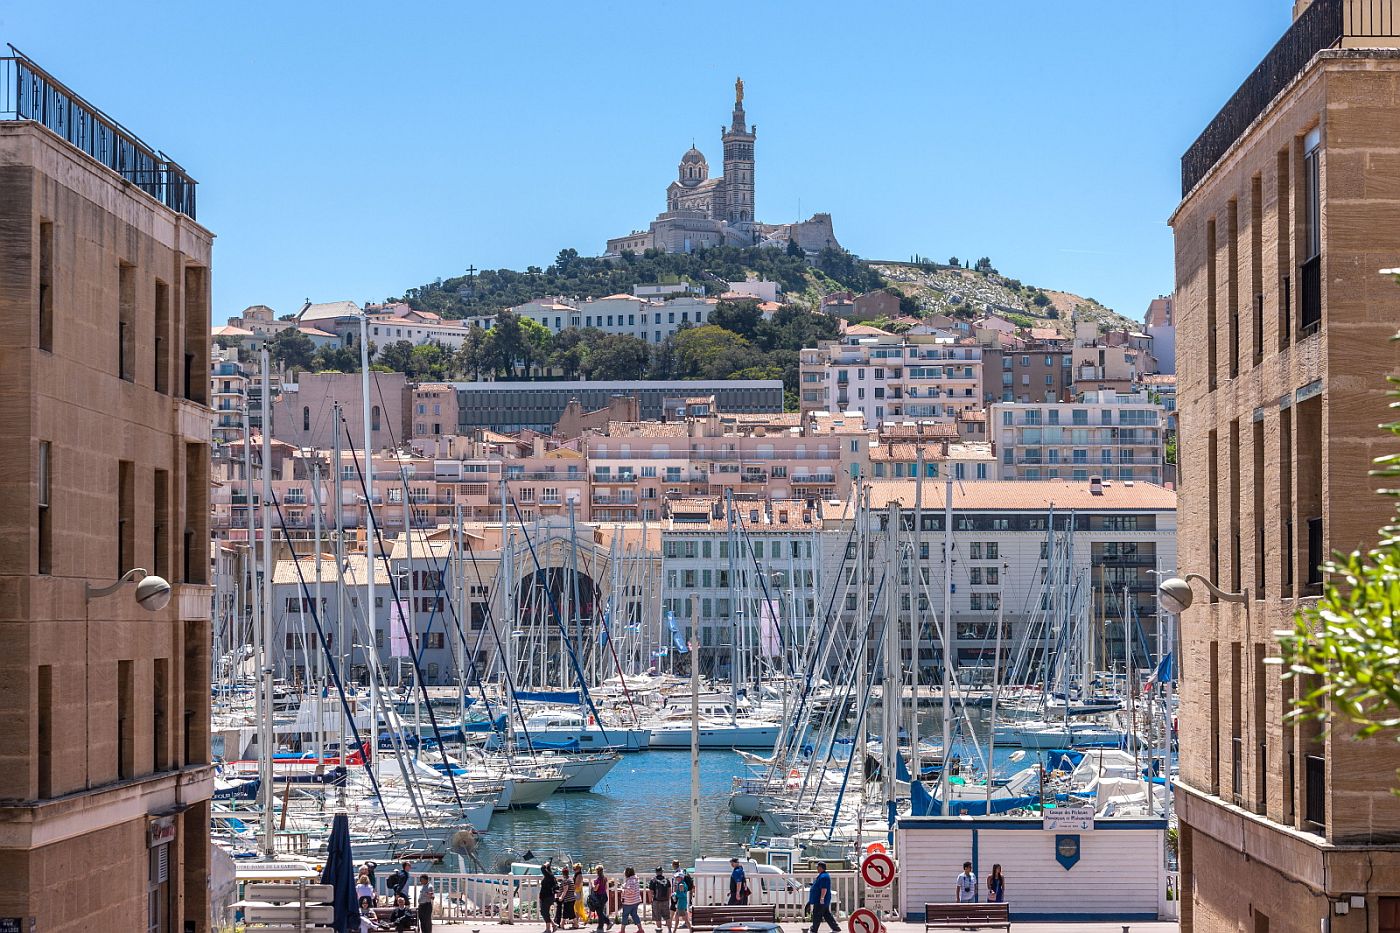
<point>352,150</point>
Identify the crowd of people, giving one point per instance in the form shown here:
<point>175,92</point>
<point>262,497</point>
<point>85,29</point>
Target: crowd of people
<point>568,901</point>
<point>409,908</point>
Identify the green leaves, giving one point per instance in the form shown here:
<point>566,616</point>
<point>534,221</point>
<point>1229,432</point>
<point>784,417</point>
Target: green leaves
<point>1348,643</point>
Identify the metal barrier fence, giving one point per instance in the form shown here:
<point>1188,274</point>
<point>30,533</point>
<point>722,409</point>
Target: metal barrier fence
<point>510,898</point>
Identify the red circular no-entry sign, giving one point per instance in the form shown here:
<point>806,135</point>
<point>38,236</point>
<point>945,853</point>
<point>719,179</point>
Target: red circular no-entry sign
<point>863,921</point>
<point>877,869</point>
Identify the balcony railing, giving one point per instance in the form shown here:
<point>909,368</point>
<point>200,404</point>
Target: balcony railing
<point>1325,24</point>
<point>27,92</point>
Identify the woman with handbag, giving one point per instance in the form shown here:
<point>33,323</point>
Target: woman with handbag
<point>598,899</point>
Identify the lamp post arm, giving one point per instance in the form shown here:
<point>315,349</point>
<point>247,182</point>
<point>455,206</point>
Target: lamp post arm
<point>1216,591</point>
<point>132,575</point>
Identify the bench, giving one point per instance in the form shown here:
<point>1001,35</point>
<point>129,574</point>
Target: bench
<point>709,917</point>
<point>966,916</point>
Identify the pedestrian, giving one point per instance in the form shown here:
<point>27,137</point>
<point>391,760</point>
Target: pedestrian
<point>660,889</point>
<point>564,901</point>
<point>370,867</point>
<point>819,900</point>
<point>738,883</point>
<point>682,887</point>
<point>580,902</point>
<point>364,887</point>
<point>548,887</point>
<point>996,886</point>
<point>598,899</point>
<point>965,890</point>
<point>402,918</point>
<point>631,899</point>
<point>426,893</point>
<point>397,882</point>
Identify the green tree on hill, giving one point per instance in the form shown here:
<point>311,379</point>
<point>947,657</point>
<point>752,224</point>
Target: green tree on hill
<point>711,352</point>
<point>616,357</point>
<point>291,349</point>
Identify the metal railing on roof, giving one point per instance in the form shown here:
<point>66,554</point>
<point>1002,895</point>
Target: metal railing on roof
<point>27,92</point>
<point>1319,27</point>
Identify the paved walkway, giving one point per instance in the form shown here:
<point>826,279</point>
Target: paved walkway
<point>793,926</point>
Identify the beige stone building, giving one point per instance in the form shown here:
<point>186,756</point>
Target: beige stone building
<point>104,453</point>
<point>1289,209</point>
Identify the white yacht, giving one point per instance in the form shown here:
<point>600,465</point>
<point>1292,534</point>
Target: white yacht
<point>719,727</point>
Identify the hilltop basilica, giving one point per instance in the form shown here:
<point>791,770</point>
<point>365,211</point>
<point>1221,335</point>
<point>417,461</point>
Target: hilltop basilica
<point>702,211</point>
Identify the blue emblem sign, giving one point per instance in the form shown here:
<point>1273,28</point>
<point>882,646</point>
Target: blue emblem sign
<point>1067,851</point>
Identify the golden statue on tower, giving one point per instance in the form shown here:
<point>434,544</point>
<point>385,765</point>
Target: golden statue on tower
<point>738,90</point>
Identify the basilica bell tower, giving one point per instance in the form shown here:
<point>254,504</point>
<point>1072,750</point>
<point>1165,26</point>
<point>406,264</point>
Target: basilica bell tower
<point>738,163</point>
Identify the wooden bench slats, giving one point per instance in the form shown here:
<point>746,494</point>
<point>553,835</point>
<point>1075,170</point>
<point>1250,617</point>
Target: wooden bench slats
<point>709,916</point>
<point>961,916</point>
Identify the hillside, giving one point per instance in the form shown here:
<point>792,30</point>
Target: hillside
<point>969,293</point>
<point>934,288</point>
<point>575,276</point>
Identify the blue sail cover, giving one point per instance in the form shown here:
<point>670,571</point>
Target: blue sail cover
<point>1062,759</point>
<point>568,697</point>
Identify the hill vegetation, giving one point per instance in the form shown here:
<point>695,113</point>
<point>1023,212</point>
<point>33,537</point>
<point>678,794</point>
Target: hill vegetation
<point>575,276</point>
<point>738,342</point>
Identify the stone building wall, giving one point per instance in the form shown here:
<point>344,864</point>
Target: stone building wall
<point>1279,427</point>
<point>95,742</point>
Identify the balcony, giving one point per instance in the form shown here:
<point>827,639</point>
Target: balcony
<point>614,478</point>
<point>815,479</point>
<point>1325,24</point>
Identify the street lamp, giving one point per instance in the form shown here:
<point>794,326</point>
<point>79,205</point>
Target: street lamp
<point>1175,593</point>
<point>152,592</point>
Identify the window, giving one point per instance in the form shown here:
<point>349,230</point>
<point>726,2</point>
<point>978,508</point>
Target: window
<point>126,321</point>
<point>1211,262</point>
<point>305,418</point>
<point>436,640</point>
<point>1310,279</point>
<point>160,524</point>
<point>374,418</point>
<point>161,378</point>
<point>1232,296</point>
<point>45,493</point>
<point>160,708</point>
<point>46,286</point>
<point>45,724</point>
<point>126,507</point>
<point>126,732</point>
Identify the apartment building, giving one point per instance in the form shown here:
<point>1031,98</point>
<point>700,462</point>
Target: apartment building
<point>303,411</point>
<point>722,570</point>
<point>652,319</point>
<point>892,377</point>
<point>1107,434</point>
<point>1285,218</point>
<point>750,458</point>
<point>446,589</point>
<point>228,396</point>
<point>105,778</point>
<point>1002,565</point>
<point>1034,372</point>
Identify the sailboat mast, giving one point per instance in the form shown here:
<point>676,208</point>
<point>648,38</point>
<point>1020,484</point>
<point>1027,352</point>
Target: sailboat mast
<point>318,663</point>
<point>345,651</point>
<point>916,589</point>
<point>947,636</point>
<point>265,738</point>
<point>890,688</point>
<point>370,545</point>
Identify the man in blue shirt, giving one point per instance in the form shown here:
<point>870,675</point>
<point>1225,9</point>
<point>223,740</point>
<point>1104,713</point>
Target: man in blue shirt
<point>819,899</point>
<point>738,890</point>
